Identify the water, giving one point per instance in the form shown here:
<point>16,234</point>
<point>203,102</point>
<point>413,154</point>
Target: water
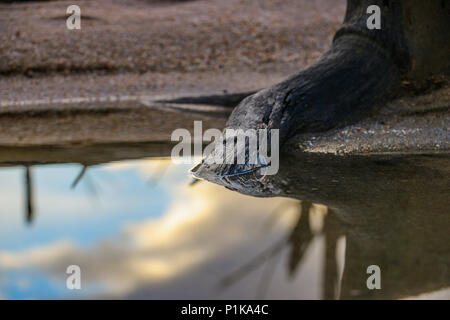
<point>144,229</point>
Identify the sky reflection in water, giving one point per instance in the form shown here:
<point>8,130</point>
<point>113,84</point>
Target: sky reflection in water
<point>138,229</point>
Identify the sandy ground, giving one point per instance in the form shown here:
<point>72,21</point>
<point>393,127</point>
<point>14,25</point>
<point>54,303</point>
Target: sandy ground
<point>143,36</point>
<point>139,48</point>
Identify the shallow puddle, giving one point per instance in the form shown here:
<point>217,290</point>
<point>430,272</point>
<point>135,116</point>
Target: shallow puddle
<point>145,229</point>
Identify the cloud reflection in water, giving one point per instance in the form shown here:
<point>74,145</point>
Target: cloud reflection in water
<point>162,239</point>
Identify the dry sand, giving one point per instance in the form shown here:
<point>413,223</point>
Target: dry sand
<point>165,36</point>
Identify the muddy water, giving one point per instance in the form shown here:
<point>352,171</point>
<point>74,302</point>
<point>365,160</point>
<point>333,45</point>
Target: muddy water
<point>139,226</point>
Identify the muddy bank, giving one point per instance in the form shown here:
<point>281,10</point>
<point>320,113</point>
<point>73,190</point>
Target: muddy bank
<point>414,124</point>
<point>406,125</point>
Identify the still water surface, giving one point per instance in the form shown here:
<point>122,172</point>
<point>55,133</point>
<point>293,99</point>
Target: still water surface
<point>143,229</point>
